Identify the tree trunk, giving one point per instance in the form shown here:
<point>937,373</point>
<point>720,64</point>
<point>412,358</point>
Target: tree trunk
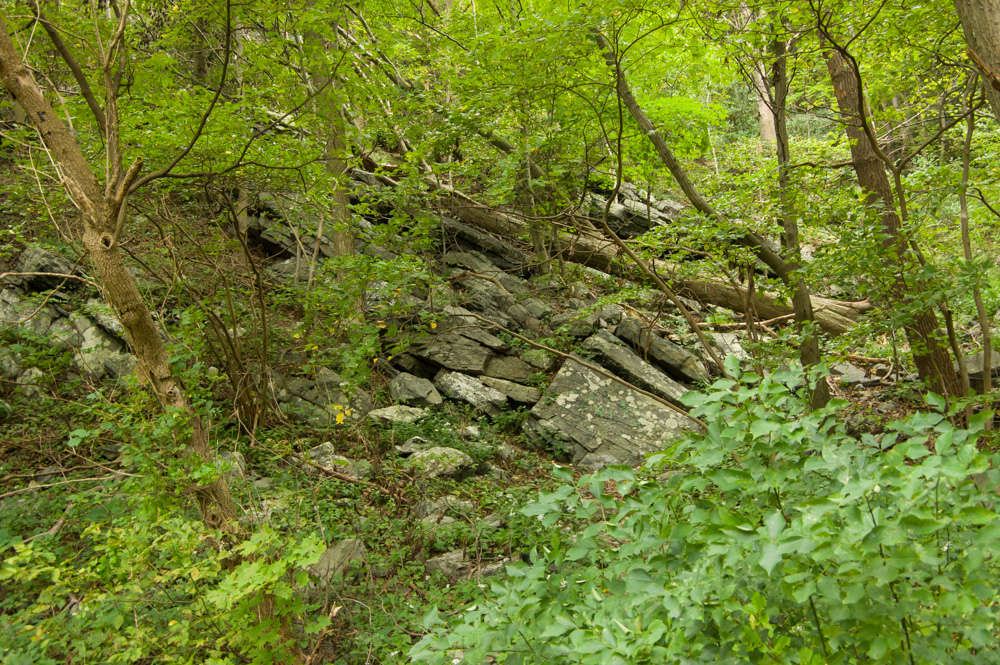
<point>102,212</point>
<point>809,348</point>
<point>765,114</point>
<point>981,24</point>
<point>931,357</point>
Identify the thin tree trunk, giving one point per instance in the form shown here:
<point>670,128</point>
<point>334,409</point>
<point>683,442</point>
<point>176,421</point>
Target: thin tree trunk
<point>931,357</point>
<point>809,348</point>
<point>765,114</point>
<point>103,211</point>
<point>977,295</point>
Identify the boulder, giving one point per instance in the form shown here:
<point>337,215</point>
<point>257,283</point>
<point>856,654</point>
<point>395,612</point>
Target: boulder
<point>337,558</point>
<point>441,462</point>
<point>30,382</point>
<point>621,361</point>
<point>515,391</point>
<point>36,260</point>
<point>101,313</point>
<point>976,366</point>
<point>452,565</point>
<point>438,507</point>
<point>413,391</point>
<point>10,366</point>
<point>583,412</point>
<point>393,415</point>
<point>455,352</point>
<point>97,347</point>
<point>26,316</point>
<point>673,359</point>
<point>575,324</point>
<point>472,391</point>
<point>509,368</point>
<point>477,263</point>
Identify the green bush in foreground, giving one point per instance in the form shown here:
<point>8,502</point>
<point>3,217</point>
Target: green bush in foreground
<point>777,538</point>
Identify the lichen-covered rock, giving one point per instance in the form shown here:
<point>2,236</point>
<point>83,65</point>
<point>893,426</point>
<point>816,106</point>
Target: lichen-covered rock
<point>392,415</point>
<point>575,324</point>
<point>673,359</point>
<point>584,412</point>
<point>615,356</point>
<point>472,391</point>
<point>37,260</point>
<point>440,461</point>
<point>413,391</point>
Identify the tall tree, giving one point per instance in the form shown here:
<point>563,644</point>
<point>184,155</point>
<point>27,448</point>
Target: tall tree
<point>104,211</point>
<point>981,24</point>
<point>931,357</point>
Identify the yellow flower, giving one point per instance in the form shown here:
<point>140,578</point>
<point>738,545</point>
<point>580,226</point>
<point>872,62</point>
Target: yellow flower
<point>340,418</point>
<point>433,325</point>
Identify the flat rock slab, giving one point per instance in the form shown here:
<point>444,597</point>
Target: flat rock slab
<point>584,412</point>
<point>615,356</point>
<point>472,391</point>
<point>673,359</point>
<point>514,391</point>
<point>455,352</point>
<point>509,368</point>
<point>396,414</point>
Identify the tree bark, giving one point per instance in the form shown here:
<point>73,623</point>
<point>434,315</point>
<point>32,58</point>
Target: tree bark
<point>809,349</point>
<point>765,114</point>
<point>981,24</point>
<point>102,213</point>
<point>932,359</point>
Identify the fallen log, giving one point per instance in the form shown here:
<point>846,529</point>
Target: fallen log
<point>594,250</point>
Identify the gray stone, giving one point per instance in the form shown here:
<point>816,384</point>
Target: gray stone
<point>615,356</point>
<point>413,445</point>
<point>24,315</point>
<point>413,391</point>
<point>478,263</point>
<point>729,345</point>
<point>120,365</point>
<point>433,523</point>
<point>30,382</point>
<point>10,368</point>
<point>326,398</point>
<point>101,313</point>
<point>452,565</point>
<point>35,259</point>
<point>336,559</point>
<point>6,411</point>
<point>539,359</point>
<point>478,334</point>
<point>585,412</point>
<point>64,333</point>
<point>455,352</point>
<point>976,366</point>
<point>509,368</point>
<point>472,391</point>
<point>97,347</point>
<point>673,359</point>
<point>438,462</point>
<point>537,308</point>
<point>575,324</point>
<point>611,314</point>
<point>515,391</point>
<point>392,415</point>
<point>326,455</point>
<point>848,373</point>
<point>232,465</point>
<point>438,507</point>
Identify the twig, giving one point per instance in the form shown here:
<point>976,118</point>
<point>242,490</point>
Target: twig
<point>57,527</point>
